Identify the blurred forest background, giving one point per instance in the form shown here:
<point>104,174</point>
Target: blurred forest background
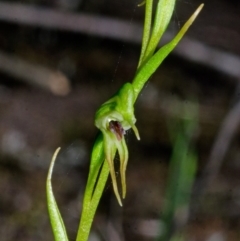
<point>61,59</point>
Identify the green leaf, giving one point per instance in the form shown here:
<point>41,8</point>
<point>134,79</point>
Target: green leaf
<point>146,30</point>
<point>57,224</point>
<point>182,171</point>
<point>163,16</point>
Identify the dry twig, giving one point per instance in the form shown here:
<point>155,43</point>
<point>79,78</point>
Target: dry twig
<point>34,74</point>
<point>116,29</point>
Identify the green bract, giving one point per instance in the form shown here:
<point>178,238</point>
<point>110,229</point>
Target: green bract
<point>115,117</point>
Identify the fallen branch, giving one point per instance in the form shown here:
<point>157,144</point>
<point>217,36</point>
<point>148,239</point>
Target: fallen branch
<point>116,29</point>
<point>43,77</point>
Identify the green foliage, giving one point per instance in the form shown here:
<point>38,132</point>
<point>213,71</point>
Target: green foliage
<point>182,170</point>
<point>115,117</point>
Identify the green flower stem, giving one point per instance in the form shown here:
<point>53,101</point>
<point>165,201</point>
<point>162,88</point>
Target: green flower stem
<point>89,209</point>
<point>144,73</point>
<point>93,193</point>
<point>97,158</point>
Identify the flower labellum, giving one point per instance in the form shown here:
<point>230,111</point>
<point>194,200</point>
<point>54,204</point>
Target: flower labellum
<point>116,128</point>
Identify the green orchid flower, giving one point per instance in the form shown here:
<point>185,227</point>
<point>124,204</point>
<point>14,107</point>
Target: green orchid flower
<point>114,118</point>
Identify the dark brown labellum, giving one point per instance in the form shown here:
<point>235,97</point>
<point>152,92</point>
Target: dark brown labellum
<point>116,128</point>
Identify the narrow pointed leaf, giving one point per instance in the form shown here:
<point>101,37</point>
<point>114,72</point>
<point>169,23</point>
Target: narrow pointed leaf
<point>57,224</point>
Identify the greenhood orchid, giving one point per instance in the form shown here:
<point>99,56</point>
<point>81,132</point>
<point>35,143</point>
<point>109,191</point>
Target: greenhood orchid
<point>115,117</point>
